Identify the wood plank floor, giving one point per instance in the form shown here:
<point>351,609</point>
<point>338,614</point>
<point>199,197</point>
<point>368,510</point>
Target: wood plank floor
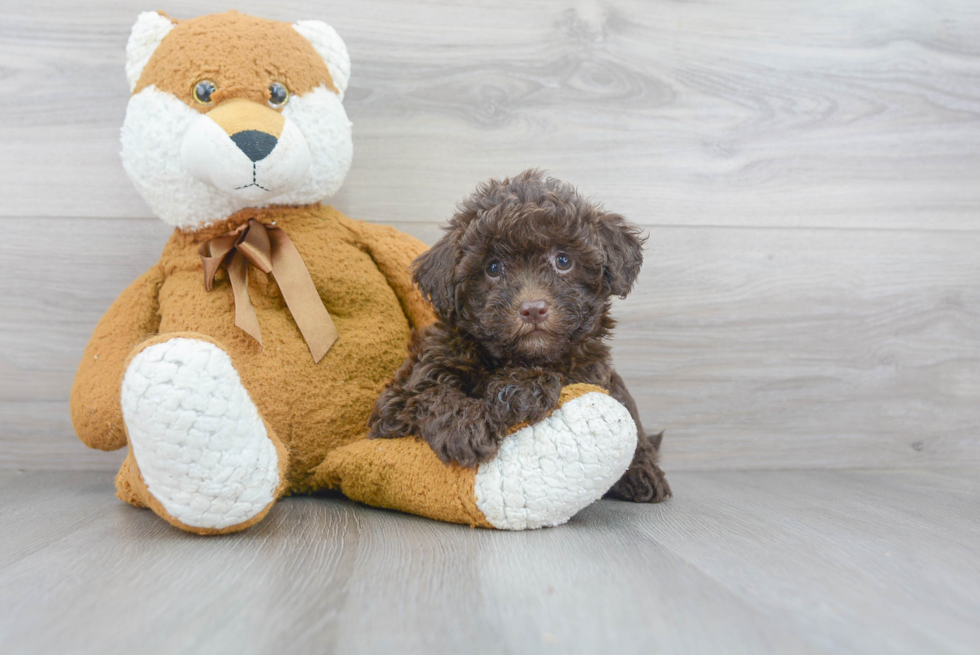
<point>754,562</point>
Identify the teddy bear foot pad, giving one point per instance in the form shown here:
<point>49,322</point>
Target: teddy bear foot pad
<point>200,444</point>
<point>545,473</point>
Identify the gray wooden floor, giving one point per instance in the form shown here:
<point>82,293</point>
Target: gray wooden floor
<point>751,561</point>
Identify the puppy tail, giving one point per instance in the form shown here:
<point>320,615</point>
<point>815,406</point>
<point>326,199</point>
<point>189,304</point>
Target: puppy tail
<point>655,439</point>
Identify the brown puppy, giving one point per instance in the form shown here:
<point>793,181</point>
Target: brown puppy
<point>521,284</point>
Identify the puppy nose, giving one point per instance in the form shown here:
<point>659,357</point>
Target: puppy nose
<point>255,144</point>
<point>534,311</point>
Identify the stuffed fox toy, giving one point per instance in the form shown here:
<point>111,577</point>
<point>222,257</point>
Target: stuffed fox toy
<point>242,366</point>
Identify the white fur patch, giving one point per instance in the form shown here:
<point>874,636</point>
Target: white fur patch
<point>153,136</point>
<point>330,47</point>
<point>545,473</point>
<point>320,116</point>
<point>211,156</point>
<point>147,33</point>
<point>197,437</point>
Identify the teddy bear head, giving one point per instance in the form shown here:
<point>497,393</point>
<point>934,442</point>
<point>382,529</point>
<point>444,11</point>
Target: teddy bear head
<point>230,112</point>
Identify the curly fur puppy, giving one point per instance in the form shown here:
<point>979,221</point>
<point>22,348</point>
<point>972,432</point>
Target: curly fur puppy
<point>521,283</point>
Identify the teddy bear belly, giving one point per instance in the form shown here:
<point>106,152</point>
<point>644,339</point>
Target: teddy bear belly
<point>312,408</point>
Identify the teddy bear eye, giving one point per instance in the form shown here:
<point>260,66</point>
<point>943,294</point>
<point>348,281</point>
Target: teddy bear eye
<point>203,91</point>
<point>562,262</point>
<point>278,95</point>
<point>495,268</point>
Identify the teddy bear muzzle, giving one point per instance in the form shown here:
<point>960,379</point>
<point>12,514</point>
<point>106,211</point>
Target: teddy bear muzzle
<point>246,150</point>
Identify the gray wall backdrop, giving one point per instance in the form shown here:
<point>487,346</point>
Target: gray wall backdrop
<point>809,173</point>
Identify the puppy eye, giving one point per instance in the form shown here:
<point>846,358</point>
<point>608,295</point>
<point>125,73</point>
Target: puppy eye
<point>203,91</point>
<point>278,95</point>
<point>495,268</point>
<point>563,262</point>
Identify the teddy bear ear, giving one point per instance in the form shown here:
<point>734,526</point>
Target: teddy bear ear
<point>147,33</point>
<point>331,47</point>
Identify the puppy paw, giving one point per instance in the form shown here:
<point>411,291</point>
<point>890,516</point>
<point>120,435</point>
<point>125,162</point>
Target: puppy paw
<point>465,441</point>
<point>642,483</point>
<point>522,395</point>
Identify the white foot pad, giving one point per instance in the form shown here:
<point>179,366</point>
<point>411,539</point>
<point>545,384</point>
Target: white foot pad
<point>197,437</point>
<point>545,473</point>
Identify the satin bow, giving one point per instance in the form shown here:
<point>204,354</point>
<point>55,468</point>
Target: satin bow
<point>269,249</point>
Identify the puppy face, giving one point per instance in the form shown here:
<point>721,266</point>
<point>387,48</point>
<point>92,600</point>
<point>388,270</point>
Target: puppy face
<point>230,111</point>
<point>527,267</point>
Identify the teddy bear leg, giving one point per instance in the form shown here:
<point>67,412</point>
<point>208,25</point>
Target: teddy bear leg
<point>542,475</point>
<point>546,472</point>
<point>201,456</point>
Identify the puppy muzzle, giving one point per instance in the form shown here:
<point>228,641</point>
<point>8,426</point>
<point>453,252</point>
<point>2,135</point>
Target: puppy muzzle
<point>246,150</point>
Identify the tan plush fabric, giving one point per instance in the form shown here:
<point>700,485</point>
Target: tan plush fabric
<point>405,475</point>
<point>237,115</point>
<point>573,391</point>
<point>94,402</point>
<point>241,54</point>
<point>362,273</point>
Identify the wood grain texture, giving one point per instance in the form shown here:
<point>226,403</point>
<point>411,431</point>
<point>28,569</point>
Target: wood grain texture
<point>737,562</point>
<point>831,114</point>
<point>808,173</point>
<point>807,348</point>
<point>752,348</point>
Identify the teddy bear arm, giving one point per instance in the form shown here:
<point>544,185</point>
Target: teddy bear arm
<point>393,252</point>
<point>96,413</point>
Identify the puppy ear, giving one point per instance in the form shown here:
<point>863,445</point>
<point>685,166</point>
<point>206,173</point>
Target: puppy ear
<point>433,274</point>
<point>622,245</point>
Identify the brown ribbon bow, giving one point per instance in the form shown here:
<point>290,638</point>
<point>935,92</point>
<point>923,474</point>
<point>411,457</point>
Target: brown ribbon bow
<point>269,249</point>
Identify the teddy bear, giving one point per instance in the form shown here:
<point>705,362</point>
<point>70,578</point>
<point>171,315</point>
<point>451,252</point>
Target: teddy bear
<point>242,366</point>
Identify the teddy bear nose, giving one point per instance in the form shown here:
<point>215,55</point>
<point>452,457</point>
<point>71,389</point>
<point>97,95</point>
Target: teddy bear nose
<point>255,144</point>
<point>534,311</point>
